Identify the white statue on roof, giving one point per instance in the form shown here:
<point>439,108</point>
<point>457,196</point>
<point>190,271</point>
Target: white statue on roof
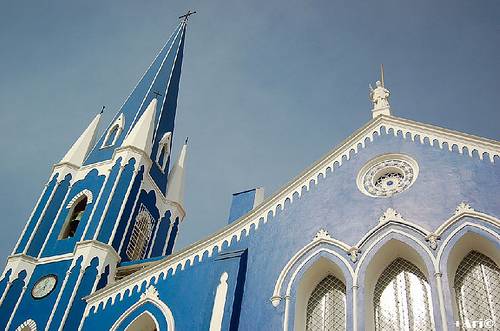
<point>379,96</point>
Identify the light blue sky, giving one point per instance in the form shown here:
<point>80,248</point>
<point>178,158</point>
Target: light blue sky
<point>267,86</point>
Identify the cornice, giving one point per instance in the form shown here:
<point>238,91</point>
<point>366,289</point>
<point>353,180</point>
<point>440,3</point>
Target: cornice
<point>268,208</point>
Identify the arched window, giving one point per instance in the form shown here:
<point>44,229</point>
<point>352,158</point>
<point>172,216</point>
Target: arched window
<point>145,322</point>
<point>141,234</point>
<point>326,306</point>
<point>111,137</point>
<point>28,325</point>
<point>402,298</point>
<point>114,131</point>
<point>163,150</point>
<point>477,289</point>
<point>75,215</point>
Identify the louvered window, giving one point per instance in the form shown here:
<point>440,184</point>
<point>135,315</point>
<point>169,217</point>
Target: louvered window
<point>326,306</point>
<point>141,234</point>
<point>477,288</point>
<point>402,299</point>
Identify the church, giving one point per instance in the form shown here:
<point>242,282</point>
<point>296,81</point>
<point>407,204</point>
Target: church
<point>396,228</point>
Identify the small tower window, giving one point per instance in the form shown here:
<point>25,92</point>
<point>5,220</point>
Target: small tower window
<point>75,216</point>
<point>163,151</point>
<point>141,234</point>
<point>114,132</point>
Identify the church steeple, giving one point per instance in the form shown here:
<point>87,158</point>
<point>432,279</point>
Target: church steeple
<point>161,82</point>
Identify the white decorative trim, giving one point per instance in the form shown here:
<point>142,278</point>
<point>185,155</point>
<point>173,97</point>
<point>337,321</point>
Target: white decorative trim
<point>117,125</point>
<point>27,324</point>
<point>42,215</point>
<point>390,215</point>
<point>387,174</point>
<point>31,215</point>
<point>164,143</point>
<point>312,246</point>
<point>151,296</point>
<point>463,207</point>
<point>46,240</point>
<point>150,293</point>
<point>322,234</point>
<point>207,247</point>
<point>77,197</point>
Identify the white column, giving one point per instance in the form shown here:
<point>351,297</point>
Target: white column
<point>42,215</point>
<point>95,204</point>
<point>287,308</point>
<point>70,302</point>
<point>63,286</point>
<point>219,304</point>
<point>122,208</point>
<point>31,217</point>
<point>55,221</point>
<point>355,307</point>
<point>442,309</point>
<point>17,303</point>
<point>111,194</point>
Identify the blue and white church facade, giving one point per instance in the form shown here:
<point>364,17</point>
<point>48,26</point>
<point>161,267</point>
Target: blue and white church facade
<point>397,228</point>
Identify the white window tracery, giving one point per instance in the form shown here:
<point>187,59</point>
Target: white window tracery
<point>114,132</point>
<point>326,306</point>
<point>163,150</point>
<point>402,299</point>
<point>141,233</point>
<point>477,289</point>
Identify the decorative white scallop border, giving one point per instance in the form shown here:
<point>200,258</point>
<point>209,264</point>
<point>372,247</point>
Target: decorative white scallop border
<point>234,231</point>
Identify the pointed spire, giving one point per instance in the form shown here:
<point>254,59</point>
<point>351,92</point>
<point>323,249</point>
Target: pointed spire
<point>160,81</point>
<point>77,153</point>
<point>141,135</point>
<point>175,189</point>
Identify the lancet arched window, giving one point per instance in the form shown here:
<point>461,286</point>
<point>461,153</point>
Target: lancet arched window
<point>477,289</point>
<point>402,299</point>
<point>163,150</point>
<point>74,217</point>
<point>326,306</point>
<point>114,131</point>
<point>141,233</point>
<point>145,322</point>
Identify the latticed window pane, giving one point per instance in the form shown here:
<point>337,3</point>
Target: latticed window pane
<point>326,306</point>
<point>141,233</point>
<point>402,299</point>
<point>477,288</point>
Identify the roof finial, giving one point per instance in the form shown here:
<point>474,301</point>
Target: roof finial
<point>185,17</point>
<point>102,110</point>
<point>186,142</point>
<point>382,74</point>
<point>379,96</point>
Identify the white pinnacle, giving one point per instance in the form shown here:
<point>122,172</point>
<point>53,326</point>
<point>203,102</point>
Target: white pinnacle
<point>175,191</point>
<point>141,135</point>
<point>77,153</point>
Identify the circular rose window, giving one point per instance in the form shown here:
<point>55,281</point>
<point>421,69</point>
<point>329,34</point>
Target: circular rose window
<point>387,175</point>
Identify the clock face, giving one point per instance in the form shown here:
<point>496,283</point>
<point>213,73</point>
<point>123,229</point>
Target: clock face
<point>44,286</point>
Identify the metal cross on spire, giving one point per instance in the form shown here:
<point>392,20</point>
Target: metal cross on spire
<point>185,17</point>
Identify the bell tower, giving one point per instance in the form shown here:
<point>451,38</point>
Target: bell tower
<point>109,200</point>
